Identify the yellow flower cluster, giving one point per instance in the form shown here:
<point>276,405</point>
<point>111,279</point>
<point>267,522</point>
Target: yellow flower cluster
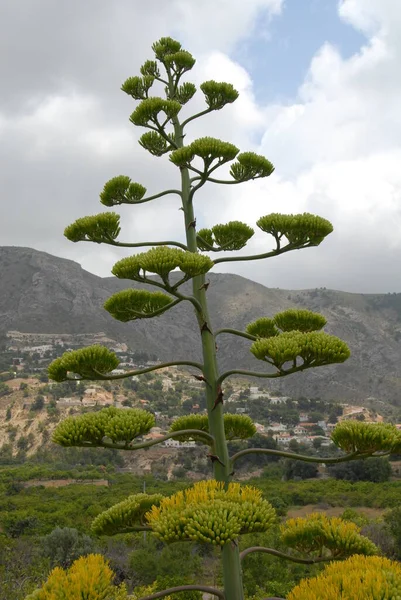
<point>235,426</point>
<point>318,533</point>
<point>86,362</point>
<point>358,578</point>
<point>89,577</point>
<point>118,425</point>
<point>125,515</point>
<point>209,513</point>
<point>356,436</point>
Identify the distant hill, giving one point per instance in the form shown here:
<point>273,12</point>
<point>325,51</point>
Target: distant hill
<point>45,294</point>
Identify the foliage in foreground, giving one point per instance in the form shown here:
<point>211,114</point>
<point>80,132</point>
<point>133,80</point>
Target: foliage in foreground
<point>89,577</point>
<point>358,578</point>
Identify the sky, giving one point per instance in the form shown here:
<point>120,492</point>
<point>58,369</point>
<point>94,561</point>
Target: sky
<point>320,97</point>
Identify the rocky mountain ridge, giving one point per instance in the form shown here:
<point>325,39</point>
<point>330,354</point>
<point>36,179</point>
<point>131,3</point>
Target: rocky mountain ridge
<point>41,293</point>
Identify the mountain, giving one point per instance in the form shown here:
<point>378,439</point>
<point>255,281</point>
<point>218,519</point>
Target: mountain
<point>41,293</point>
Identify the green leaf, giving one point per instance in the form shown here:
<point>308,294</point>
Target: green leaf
<point>86,362</point>
<point>97,228</point>
<point>120,190</point>
<point>217,95</point>
<point>129,305</point>
<point>300,230</point>
<point>251,166</point>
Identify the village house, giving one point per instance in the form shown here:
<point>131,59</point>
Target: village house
<point>279,399</point>
<point>277,427</point>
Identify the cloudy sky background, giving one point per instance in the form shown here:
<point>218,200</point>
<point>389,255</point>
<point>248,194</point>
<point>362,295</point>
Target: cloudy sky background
<point>320,85</point>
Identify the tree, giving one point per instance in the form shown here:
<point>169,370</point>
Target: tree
<point>39,402</point>
<point>216,511</point>
<point>65,545</point>
<point>373,469</point>
<point>299,470</point>
<point>89,577</point>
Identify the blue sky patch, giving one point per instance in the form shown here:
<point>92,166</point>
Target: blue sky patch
<point>279,55</point>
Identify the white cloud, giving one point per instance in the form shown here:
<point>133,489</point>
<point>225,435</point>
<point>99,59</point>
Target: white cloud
<point>336,148</point>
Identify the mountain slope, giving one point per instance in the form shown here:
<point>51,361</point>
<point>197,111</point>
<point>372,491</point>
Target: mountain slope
<point>45,294</point>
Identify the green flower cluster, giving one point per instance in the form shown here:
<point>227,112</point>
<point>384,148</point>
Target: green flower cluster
<point>206,148</point>
<point>120,190</point>
<point>366,438</point>
<point>288,320</point>
<point>154,143</point>
<point>104,227</point>
<point>300,230</point>
<point>235,426</point>
<point>262,328</point>
<point>318,534</point>
<point>148,111</point>
<point>357,578</point>
<point>138,87</point>
<point>170,53</point>
<point>125,515</point>
<point>162,260</point>
<point>129,305</point>
<point>315,348</point>
<point>231,236</point>
<point>250,166</point>
<point>165,46</point>
<point>150,68</point>
<point>90,429</point>
<point>217,95</point>
<point>86,362</point>
<point>180,61</point>
<point>299,320</point>
<point>184,92</point>
<point>209,512</point>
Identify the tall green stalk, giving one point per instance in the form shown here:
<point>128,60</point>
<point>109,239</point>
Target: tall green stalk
<point>287,343</point>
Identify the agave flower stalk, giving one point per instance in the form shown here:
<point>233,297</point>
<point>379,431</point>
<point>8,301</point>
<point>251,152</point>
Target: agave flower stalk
<point>292,341</point>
